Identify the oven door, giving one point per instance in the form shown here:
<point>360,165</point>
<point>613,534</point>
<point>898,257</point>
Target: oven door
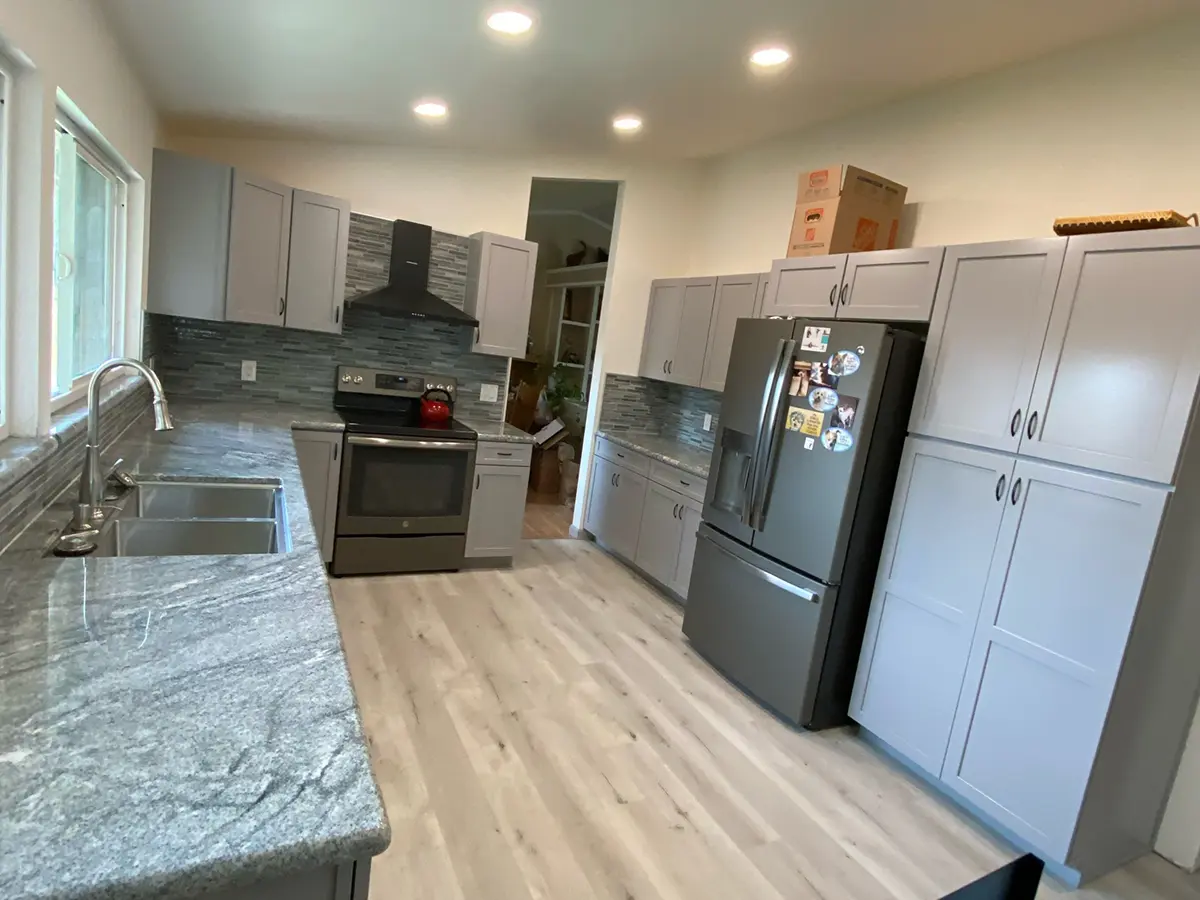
<point>405,486</point>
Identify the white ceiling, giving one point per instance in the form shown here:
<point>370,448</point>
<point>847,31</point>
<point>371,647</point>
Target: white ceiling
<point>351,69</point>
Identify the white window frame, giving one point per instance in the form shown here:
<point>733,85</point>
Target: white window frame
<point>6,312</point>
<point>99,160</point>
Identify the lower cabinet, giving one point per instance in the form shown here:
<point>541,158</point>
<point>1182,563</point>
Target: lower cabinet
<point>320,456</point>
<point>497,511</point>
<point>615,502</point>
<point>666,546</point>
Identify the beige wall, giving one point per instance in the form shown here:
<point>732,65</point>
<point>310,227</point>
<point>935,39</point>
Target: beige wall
<point>1108,127</point>
<point>64,46</point>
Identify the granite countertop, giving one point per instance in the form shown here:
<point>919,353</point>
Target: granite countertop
<point>502,432</point>
<point>673,453</point>
<point>179,725</point>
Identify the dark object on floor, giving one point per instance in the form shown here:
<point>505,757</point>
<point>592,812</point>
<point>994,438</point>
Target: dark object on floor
<point>1016,881</point>
<point>574,259</point>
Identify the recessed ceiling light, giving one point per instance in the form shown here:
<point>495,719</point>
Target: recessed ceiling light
<point>769,57</point>
<point>627,124</point>
<point>430,109</point>
<point>510,21</point>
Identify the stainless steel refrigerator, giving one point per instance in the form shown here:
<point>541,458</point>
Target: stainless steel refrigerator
<point>812,425</point>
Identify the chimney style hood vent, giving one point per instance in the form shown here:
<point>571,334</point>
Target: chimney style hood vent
<point>407,292</point>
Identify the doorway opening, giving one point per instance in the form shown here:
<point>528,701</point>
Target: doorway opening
<point>571,221</point>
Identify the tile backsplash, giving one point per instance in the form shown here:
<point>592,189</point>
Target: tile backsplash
<point>202,359</point>
<point>643,406</point>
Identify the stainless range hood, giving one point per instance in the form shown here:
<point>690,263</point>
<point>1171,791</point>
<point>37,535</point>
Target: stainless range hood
<point>407,292</point>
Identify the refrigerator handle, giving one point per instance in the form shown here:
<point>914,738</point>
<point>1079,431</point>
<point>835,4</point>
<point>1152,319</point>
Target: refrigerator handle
<point>752,470</point>
<point>758,497</point>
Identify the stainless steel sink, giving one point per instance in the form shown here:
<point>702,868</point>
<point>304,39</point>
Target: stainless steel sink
<point>206,500</point>
<point>187,537</point>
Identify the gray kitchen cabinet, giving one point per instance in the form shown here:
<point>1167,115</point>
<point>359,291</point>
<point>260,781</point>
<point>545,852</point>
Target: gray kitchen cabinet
<point>890,285</point>
<point>316,281</point>
<point>615,504</point>
<point>1118,374</point>
<point>985,339</point>
<point>805,287</point>
<point>660,535</point>
<point>933,569</point>
<point>1065,582</point>
<point>737,297</point>
<point>677,329</point>
<point>690,513</point>
<point>500,276</point>
<point>320,456</point>
<point>259,234</point>
<point>497,511</point>
<point>189,237</point>
<point>662,327</point>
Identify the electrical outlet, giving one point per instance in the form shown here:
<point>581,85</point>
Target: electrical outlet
<point>249,370</point>
<point>489,393</point>
<point>708,422</point>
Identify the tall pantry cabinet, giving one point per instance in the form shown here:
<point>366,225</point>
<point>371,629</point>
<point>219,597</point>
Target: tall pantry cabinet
<point>1030,641</point>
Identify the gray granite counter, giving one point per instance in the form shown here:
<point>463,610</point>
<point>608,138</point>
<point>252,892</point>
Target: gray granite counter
<point>673,453</point>
<point>178,725</point>
<point>501,432</point>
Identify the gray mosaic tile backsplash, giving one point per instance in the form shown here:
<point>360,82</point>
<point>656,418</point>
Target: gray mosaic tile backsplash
<point>643,406</point>
<point>203,359</point>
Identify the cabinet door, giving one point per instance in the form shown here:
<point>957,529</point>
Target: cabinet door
<point>497,511</point>
<point>316,282</point>
<point>319,455</point>
<point>890,285</point>
<point>989,324</point>
<point>662,327</point>
<point>500,292</point>
<point>1118,375</point>
<point>690,513</point>
<point>660,534</point>
<point>737,297</point>
<point>625,525</point>
<point>189,237</point>
<point>600,496</point>
<point>260,229</point>
<point>686,365</point>
<point>805,287</point>
<point>942,530</point>
<point>1065,581</point>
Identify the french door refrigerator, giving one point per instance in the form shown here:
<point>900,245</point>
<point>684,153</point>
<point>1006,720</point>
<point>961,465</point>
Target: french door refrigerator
<point>812,425</point>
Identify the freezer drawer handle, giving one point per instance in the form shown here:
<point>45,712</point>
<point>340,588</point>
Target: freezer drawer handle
<point>770,579</point>
<point>1015,425</point>
<point>1000,487</point>
<point>1031,429</point>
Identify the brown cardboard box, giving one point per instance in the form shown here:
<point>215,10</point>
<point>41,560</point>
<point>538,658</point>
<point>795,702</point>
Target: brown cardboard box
<point>842,209</point>
<point>545,470</point>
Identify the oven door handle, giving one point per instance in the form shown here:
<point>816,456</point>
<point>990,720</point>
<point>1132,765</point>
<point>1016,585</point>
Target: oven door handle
<point>361,440</point>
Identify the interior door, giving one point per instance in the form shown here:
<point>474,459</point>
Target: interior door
<point>260,231</point>
<point>890,285</point>
<point>806,287</point>
<point>941,534</point>
<point>316,284</point>
<point>757,344</point>
<point>809,485</point>
<point>1064,585</point>
<point>985,339</point>
<point>737,298</point>
<point>1118,376</point>
<point>662,327</point>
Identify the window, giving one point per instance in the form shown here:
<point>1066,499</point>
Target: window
<point>89,262</point>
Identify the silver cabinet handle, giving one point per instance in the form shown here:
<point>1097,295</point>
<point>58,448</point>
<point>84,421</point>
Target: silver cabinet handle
<point>1015,425</point>
<point>612,479</point>
<point>1031,428</point>
<point>476,481</point>
<point>670,367</point>
<point>337,315</point>
<point>664,367</point>
<point>833,295</point>
<point>770,579</point>
<point>282,306</point>
<point>1000,487</point>
<point>503,453</point>
<point>845,287</point>
<point>675,511</point>
<point>1016,491</point>
<point>618,479</point>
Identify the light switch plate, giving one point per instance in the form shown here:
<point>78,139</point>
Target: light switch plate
<point>708,422</point>
<point>249,370</point>
<point>489,393</point>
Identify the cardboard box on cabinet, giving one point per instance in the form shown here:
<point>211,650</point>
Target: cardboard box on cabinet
<point>844,209</point>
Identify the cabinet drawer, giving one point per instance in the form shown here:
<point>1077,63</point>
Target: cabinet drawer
<point>623,456</point>
<point>503,453</point>
<point>677,480</point>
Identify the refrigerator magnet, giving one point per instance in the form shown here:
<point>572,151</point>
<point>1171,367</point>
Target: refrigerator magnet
<point>844,412</point>
<point>844,362</point>
<point>820,376</point>
<point>815,339</point>
<point>839,440</point>
<point>823,399</point>
<point>809,443</point>
<point>801,378</point>
<point>805,421</point>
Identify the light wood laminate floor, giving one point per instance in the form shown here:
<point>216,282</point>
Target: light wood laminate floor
<point>547,732</point>
<point>546,517</point>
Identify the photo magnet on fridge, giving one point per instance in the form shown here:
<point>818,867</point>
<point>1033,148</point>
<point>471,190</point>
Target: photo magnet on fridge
<point>801,378</point>
<point>806,421</point>
<point>815,339</point>
<point>844,412</point>
<point>820,376</point>
<point>823,399</point>
<point>837,439</point>
<point>844,362</point>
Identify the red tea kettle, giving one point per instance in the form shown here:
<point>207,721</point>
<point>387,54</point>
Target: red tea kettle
<point>436,409</point>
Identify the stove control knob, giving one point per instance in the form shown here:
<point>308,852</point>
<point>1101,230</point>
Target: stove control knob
<point>358,379</point>
<point>346,379</point>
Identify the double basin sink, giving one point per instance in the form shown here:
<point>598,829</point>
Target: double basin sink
<point>194,517</point>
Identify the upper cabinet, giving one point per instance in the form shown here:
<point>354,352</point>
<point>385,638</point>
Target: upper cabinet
<point>677,329</point>
<point>988,327</point>
<point>662,327</point>
<point>738,297</point>
<point>884,285</point>
<point>227,245</point>
<point>500,275</point>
